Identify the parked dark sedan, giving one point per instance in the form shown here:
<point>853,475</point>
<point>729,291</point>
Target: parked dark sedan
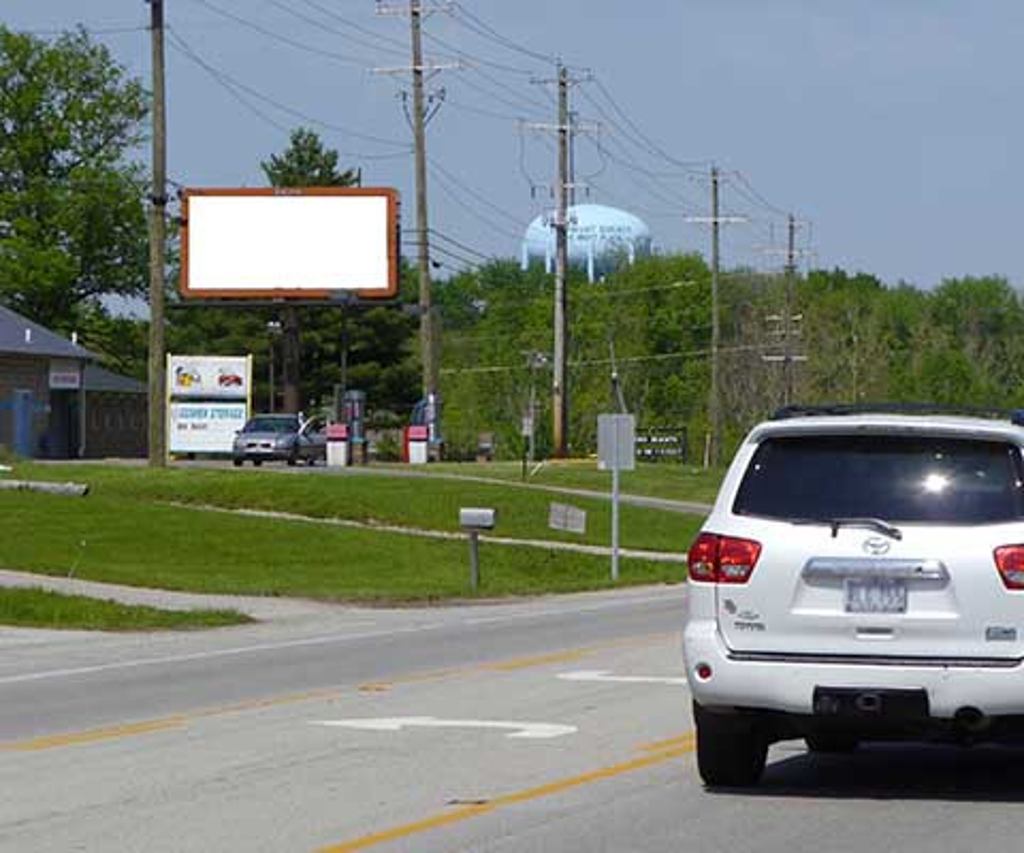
<point>286,438</point>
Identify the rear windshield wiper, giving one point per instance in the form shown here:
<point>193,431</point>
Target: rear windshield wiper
<point>878,524</point>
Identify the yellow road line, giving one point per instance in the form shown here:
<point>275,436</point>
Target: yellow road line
<point>660,745</point>
<point>539,660</point>
<point>40,744</point>
<point>466,812</point>
<point>57,741</point>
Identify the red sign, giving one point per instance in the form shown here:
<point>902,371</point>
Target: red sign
<point>337,432</point>
<point>419,433</point>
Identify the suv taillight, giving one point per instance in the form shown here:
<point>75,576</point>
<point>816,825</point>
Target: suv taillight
<point>1010,562</point>
<point>726,559</point>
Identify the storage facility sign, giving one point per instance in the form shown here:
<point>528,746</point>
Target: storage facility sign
<point>205,427</point>
<point>208,377</point>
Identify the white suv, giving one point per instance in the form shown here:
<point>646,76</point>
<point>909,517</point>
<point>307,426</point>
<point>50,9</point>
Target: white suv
<point>861,577</point>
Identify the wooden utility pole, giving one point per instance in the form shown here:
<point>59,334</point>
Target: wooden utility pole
<point>785,327</point>
<point>714,410</point>
<point>428,329</point>
<point>716,221</point>
<point>565,129</point>
<point>787,365</point>
<point>559,396</point>
<point>158,247</point>
<point>421,72</point>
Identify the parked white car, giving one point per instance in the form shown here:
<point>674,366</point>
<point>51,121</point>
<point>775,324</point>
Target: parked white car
<point>861,577</point>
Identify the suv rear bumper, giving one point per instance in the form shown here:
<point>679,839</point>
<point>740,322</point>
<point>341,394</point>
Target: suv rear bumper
<point>786,684</point>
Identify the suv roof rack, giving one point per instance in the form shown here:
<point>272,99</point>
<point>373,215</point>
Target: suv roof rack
<point>1015,416</point>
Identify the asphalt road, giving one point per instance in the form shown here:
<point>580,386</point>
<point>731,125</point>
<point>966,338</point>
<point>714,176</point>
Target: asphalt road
<point>553,725</point>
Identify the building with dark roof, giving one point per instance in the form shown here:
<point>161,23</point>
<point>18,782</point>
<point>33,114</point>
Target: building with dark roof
<point>116,414</point>
<point>49,384</point>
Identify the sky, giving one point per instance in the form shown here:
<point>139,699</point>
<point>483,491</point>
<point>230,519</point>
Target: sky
<point>889,129</point>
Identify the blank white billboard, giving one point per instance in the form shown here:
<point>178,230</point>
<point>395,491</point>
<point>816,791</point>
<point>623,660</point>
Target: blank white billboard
<point>294,243</point>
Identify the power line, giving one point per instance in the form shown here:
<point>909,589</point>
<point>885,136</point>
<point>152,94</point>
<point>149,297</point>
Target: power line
<point>377,41</point>
<point>654,189</point>
<point>89,31</point>
<point>469,263</point>
<point>498,97</point>
<point>442,236</point>
<point>222,81</point>
<point>222,76</point>
<point>601,362</point>
<point>500,84</point>
<point>476,58</point>
<point>749,190</point>
<point>651,146</point>
<point>450,192</point>
<point>484,30</point>
<point>475,194</point>
<point>298,45</point>
<point>480,111</point>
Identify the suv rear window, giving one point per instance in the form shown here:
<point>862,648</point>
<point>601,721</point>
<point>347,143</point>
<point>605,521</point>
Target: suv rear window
<point>895,478</point>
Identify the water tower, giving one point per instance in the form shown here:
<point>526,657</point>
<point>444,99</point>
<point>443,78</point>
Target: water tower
<point>601,239</point>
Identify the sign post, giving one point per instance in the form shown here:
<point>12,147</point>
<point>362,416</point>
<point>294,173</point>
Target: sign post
<point>526,431</point>
<point>616,438</point>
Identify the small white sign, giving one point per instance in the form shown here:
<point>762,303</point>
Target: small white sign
<point>567,517</point>
<point>616,442</point>
<point>65,376</point>
<point>205,427</point>
<point>208,377</point>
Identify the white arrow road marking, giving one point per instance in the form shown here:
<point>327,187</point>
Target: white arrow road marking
<point>531,731</point>
<point>604,675</point>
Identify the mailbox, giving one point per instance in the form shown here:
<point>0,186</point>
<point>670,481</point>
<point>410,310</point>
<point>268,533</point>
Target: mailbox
<point>478,518</point>
<point>474,519</point>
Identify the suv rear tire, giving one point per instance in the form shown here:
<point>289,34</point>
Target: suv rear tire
<point>731,749</point>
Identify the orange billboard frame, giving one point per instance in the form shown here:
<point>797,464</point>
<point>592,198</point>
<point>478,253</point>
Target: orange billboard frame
<point>295,293</point>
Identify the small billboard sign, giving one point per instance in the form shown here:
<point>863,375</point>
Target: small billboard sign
<point>208,377</point>
<point>205,427</point>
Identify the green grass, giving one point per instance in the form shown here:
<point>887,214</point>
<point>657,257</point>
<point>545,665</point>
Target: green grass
<point>658,480</point>
<point>35,608</point>
<point>119,534</point>
<point>431,503</point>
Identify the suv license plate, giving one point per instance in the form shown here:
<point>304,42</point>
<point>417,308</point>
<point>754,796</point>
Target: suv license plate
<point>875,595</point>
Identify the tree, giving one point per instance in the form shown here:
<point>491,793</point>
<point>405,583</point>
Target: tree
<point>305,163</point>
<point>72,216</point>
